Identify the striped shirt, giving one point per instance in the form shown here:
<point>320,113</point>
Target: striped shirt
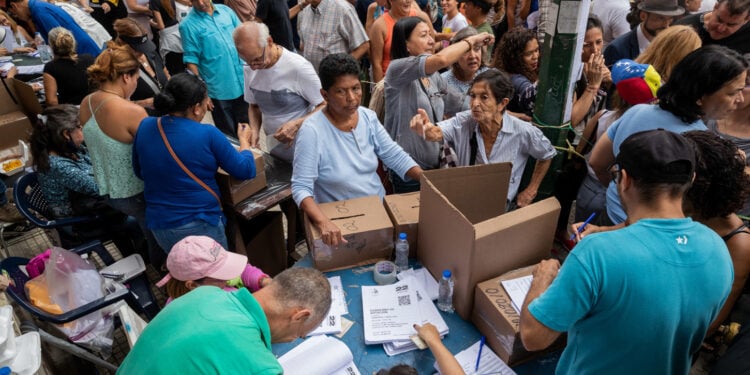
<point>331,27</point>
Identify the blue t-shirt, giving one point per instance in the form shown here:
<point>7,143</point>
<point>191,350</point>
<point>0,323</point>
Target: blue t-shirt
<point>641,306</point>
<point>172,197</point>
<point>47,16</point>
<point>640,118</point>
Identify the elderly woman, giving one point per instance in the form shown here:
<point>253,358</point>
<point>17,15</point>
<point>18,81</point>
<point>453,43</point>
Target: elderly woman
<point>683,101</point>
<point>338,148</point>
<point>487,134</point>
<point>65,78</point>
<point>177,158</point>
<point>413,81</point>
<point>153,74</point>
<point>462,73</point>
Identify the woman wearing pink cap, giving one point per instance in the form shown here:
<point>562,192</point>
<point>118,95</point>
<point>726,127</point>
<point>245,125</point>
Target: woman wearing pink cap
<point>199,260</point>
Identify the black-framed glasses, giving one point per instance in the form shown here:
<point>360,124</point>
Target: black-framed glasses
<point>614,171</point>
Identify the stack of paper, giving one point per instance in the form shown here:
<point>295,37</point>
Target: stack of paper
<point>517,290</point>
<point>489,363</point>
<point>390,312</point>
<point>424,279</point>
<point>319,355</point>
<point>332,322</point>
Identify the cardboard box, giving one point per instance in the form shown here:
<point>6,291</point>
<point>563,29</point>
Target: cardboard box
<point>14,126</point>
<point>364,224</point>
<point>262,240</point>
<point>404,212</point>
<point>8,98</point>
<point>498,321</point>
<point>234,191</point>
<point>465,228</point>
<point>27,98</point>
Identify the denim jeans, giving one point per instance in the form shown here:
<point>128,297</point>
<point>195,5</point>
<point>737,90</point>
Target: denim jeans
<point>227,113</point>
<point>400,186</point>
<point>135,207</point>
<point>168,237</point>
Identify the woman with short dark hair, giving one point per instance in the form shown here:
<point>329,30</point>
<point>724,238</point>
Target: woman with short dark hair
<point>706,84</point>
<point>337,149</point>
<point>177,205</point>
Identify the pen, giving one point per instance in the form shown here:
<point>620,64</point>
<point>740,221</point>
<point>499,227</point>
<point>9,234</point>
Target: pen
<point>479,355</point>
<point>582,227</point>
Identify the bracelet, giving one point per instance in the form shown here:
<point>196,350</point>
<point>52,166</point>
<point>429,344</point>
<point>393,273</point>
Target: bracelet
<point>471,46</point>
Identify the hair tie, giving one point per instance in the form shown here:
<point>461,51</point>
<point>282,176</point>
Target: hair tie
<point>43,118</point>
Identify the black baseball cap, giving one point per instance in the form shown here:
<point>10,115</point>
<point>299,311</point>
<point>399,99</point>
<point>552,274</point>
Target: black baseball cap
<point>657,156</point>
<point>139,43</point>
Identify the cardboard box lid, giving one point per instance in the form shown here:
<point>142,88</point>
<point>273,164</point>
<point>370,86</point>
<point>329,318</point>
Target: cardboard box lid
<point>356,215</point>
<point>489,189</point>
<point>404,208</point>
<point>8,98</point>
<point>27,98</point>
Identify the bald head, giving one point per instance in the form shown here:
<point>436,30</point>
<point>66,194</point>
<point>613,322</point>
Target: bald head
<point>252,39</point>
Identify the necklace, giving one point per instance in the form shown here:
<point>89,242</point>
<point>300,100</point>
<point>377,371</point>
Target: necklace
<point>112,92</point>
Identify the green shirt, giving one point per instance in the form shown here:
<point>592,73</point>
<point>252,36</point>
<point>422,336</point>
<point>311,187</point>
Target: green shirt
<point>207,331</point>
<point>487,28</point>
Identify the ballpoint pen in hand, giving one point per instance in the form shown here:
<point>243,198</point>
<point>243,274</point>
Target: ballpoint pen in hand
<point>583,226</point>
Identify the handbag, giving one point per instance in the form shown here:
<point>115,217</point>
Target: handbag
<point>184,168</point>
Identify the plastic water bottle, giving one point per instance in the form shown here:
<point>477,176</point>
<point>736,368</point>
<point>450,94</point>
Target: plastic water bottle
<point>45,52</point>
<point>402,253</point>
<point>445,292</point>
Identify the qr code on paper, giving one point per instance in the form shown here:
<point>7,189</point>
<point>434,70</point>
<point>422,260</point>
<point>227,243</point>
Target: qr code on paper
<point>404,300</point>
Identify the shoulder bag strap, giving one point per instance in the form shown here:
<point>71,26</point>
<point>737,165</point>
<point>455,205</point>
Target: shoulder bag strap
<point>184,168</point>
<point>473,148</point>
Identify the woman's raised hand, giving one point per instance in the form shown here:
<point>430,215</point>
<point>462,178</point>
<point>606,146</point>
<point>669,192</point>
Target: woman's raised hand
<point>482,39</point>
<point>420,122</point>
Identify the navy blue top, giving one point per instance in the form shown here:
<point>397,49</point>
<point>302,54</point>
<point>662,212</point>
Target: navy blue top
<point>172,197</point>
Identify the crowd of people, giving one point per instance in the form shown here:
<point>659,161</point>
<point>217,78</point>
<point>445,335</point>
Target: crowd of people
<point>659,128</point>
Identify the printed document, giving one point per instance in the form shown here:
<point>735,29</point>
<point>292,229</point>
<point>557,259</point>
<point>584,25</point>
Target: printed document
<point>490,363</point>
<point>319,355</point>
<point>389,312</point>
<point>517,290</point>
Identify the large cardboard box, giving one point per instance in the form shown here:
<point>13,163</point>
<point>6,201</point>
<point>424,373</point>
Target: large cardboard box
<point>363,223</point>
<point>262,240</point>
<point>404,212</point>
<point>498,321</point>
<point>13,126</point>
<point>234,191</point>
<point>464,228</point>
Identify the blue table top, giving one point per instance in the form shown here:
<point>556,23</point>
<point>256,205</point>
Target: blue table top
<point>371,358</point>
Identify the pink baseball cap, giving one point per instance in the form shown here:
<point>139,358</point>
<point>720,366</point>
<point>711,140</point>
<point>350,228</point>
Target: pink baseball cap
<point>196,257</point>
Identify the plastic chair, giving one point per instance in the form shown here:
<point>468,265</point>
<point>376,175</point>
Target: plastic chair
<point>33,206</point>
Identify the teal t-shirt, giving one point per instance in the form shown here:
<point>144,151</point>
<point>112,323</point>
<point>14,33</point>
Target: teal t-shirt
<point>637,300</point>
<point>207,331</point>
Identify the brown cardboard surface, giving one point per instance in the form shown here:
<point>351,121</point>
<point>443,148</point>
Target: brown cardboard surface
<point>13,126</point>
<point>464,228</point>
<point>404,212</point>
<point>366,226</point>
<point>8,99</point>
<point>234,191</point>
<point>498,321</point>
<point>27,98</point>
<point>263,240</point>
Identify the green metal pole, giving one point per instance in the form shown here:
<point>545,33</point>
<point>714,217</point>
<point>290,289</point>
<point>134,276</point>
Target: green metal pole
<point>561,50</point>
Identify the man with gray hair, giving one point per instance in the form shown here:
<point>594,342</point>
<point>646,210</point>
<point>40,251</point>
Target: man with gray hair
<point>213,331</point>
<point>281,88</point>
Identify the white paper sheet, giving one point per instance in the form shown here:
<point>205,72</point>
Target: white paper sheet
<point>332,321</point>
<point>425,280</point>
<point>319,355</point>
<point>517,290</point>
<point>30,69</point>
<point>389,312</point>
<point>490,363</point>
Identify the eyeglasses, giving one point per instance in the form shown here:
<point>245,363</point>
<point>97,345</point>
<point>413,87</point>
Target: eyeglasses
<point>614,171</point>
<point>259,60</point>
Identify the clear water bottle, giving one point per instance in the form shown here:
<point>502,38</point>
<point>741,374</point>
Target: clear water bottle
<point>445,292</point>
<point>402,253</point>
<point>45,52</point>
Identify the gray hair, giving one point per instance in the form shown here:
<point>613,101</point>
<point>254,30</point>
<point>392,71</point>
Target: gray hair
<point>303,287</point>
<point>463,34</point>
<point>244,28</point>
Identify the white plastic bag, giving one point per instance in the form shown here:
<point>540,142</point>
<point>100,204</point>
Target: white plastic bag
<point>73,282</point>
